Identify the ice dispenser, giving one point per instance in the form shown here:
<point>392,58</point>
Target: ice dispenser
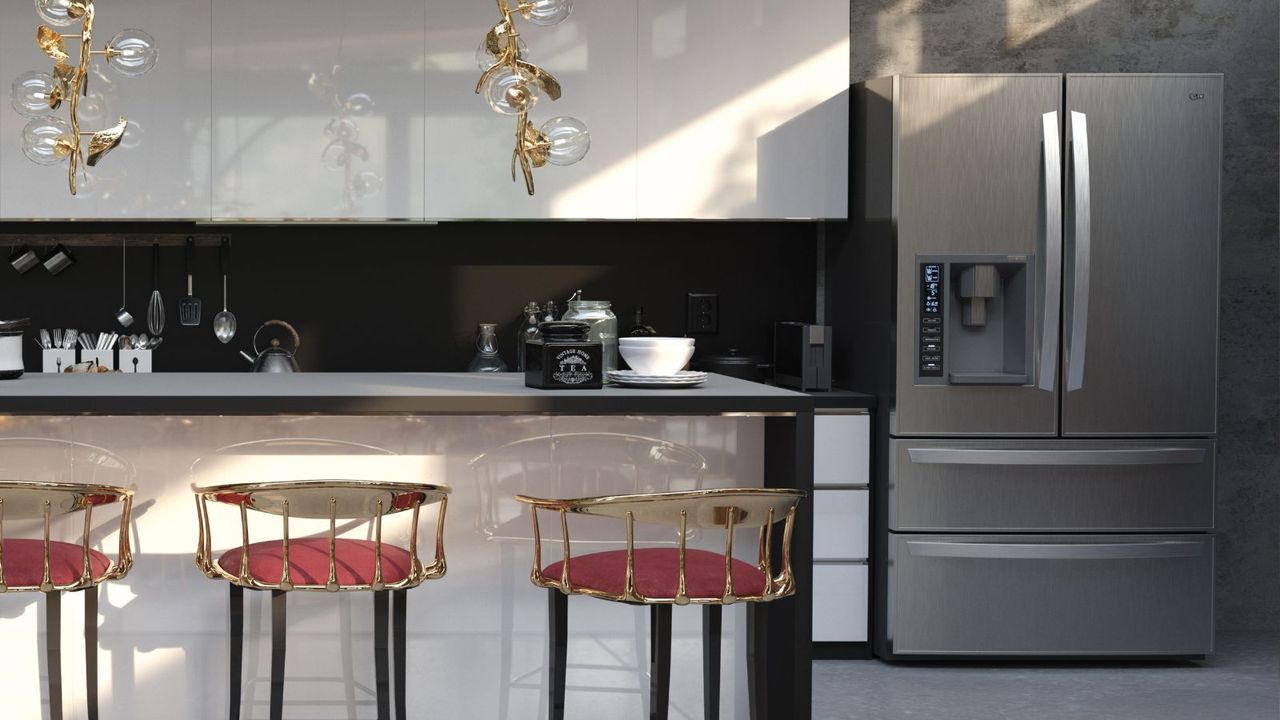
<point>975,320</point>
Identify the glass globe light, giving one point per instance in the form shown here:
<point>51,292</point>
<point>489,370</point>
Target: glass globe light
<point>485,61</point>
<point>134,132</point>
<point>335,155</point>
<point>358,104</point>
<point>40,138</point>
<point>132,52</point>
<point>548,12</point>
<point>342,129</point>
<point>510,93</point>
<point>55,12</point>
<point>569,139</point>
<point>366,184</point>
<point>92,110</point>
<point>31,92</point>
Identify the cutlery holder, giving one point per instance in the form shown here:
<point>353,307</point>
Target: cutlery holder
<point>56,361</point>
<point>104,358</point>
<point>135,361</point>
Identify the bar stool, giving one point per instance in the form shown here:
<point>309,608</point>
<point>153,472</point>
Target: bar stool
<point>327,563</point>
<point>565,463</point>
<point>35,475</point>
<point>662,577</point>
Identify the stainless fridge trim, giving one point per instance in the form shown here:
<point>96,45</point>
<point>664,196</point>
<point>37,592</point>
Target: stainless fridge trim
<point>1076,347</point>
<point>1141,550</point>
<point>979,456</point>
<point>1053,253</point>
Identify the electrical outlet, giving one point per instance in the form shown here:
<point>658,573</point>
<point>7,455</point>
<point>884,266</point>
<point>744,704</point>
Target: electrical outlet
<point>702,314</point>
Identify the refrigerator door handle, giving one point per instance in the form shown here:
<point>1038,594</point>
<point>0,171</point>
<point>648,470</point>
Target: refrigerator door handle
<point>1080,274</point>
<point>995,456</point>
<point>1057,551</point>
<point>1051,329</point>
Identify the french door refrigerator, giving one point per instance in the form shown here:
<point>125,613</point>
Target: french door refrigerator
<point>1033,275</point>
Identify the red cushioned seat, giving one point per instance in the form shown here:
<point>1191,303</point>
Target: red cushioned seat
<point>24,562</point>
<point>657,573</point>
<point>309,561</point>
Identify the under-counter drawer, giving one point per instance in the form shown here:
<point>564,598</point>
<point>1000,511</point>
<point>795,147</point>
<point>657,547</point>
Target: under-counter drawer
<point>840,524</point>
<point>1050,594</point>
<point>1059,485</point>
<point>839,602</point>
<point>842,449</point>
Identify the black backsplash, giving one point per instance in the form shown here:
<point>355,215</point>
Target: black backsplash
<point>376,298</point>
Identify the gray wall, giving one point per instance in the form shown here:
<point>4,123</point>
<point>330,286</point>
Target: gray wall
<point>1235,37</point>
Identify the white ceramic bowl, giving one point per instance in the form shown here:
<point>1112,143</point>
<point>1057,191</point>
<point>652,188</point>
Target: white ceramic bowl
<point>655,341</point>
<point>657,358</point>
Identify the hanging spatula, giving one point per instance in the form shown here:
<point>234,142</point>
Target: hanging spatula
<point>189,306</point>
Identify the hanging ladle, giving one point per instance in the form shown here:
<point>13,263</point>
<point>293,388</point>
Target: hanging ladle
<point>124,317</point>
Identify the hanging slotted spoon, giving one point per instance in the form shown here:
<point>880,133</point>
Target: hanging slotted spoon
<point>224,323</point>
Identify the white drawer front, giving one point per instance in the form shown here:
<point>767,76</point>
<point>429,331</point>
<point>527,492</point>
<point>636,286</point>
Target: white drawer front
<point>839,603</point>
<point>841,449</point>
<point>840,524</point>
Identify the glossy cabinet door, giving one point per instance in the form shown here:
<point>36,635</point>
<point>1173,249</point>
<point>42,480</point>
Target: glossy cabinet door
<point>273,125</point>
<point>469,146</point>
<point>161,169</point>
<point>715,77</point>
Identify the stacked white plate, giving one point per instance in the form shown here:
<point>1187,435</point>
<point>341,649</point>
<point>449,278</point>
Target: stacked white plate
<point>679,379</point>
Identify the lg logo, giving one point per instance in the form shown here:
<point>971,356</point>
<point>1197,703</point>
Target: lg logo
<point>1195,96</point>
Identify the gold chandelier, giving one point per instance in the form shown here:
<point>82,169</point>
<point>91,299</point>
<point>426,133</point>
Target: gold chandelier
<point>513,85</point>
<point>48,139</point>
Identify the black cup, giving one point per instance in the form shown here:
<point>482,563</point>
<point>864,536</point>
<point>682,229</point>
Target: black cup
<point>58,259</point>
<point>23,259</point>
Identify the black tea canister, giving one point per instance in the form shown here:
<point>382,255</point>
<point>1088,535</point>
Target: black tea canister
<point>563,358</point>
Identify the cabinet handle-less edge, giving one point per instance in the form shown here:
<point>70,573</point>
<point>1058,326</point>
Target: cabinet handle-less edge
<point>1053,252</point>
<point>1080,276</point>
<point>1056,551</point>
<point>978,456</point>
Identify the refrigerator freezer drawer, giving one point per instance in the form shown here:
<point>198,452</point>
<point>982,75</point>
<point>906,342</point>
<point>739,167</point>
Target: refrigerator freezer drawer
<point>1050,594</point>
<point>1051,486</point>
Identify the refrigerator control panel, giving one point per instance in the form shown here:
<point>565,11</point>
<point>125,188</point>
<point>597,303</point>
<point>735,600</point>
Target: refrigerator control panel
<point>932,312</point>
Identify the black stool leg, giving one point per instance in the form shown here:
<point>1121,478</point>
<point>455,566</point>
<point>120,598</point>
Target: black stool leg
<point>399,612</point>
<point>659,661</point>
<point>53,651</point>
<point>558,643</point>
<point>91,650</point>
<point>757,675</point>
<point>236,642</point>
<point>710,662</point>
<point>279,617</point>
<point>380,653</point>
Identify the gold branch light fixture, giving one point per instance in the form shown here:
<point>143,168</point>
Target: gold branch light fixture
<point>512,86</point>
<point>48,139</point>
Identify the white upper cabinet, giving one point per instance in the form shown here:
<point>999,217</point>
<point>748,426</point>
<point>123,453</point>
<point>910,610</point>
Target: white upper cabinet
<point>714,77</point>
<point>297,109</point>
<point>469,146</point>
<point>161,169</point>
<point>319,109</point>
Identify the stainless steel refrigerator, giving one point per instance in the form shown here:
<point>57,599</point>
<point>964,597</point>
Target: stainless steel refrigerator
<point>1031,286</point>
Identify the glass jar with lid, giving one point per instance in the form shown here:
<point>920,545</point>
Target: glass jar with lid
<point>604,325</point>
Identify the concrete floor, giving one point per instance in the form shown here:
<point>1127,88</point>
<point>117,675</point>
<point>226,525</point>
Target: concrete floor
<point>1240,682</point>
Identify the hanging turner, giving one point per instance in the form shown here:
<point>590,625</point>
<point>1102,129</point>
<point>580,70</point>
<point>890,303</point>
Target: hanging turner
<point>189,307</point>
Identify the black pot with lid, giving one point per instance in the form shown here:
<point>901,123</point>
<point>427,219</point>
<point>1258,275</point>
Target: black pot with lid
<point>11,332</point>
<point>736,364</point>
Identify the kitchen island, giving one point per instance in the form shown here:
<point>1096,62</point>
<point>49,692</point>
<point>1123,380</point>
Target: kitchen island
<point>476,637</point>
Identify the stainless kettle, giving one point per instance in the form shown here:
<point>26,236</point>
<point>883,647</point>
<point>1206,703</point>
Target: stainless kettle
<point>274,359</point>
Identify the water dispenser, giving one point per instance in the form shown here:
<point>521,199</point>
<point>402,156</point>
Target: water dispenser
<point>975,319</point>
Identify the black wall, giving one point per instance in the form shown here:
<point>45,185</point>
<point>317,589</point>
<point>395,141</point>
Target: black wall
<point>368,297</point>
